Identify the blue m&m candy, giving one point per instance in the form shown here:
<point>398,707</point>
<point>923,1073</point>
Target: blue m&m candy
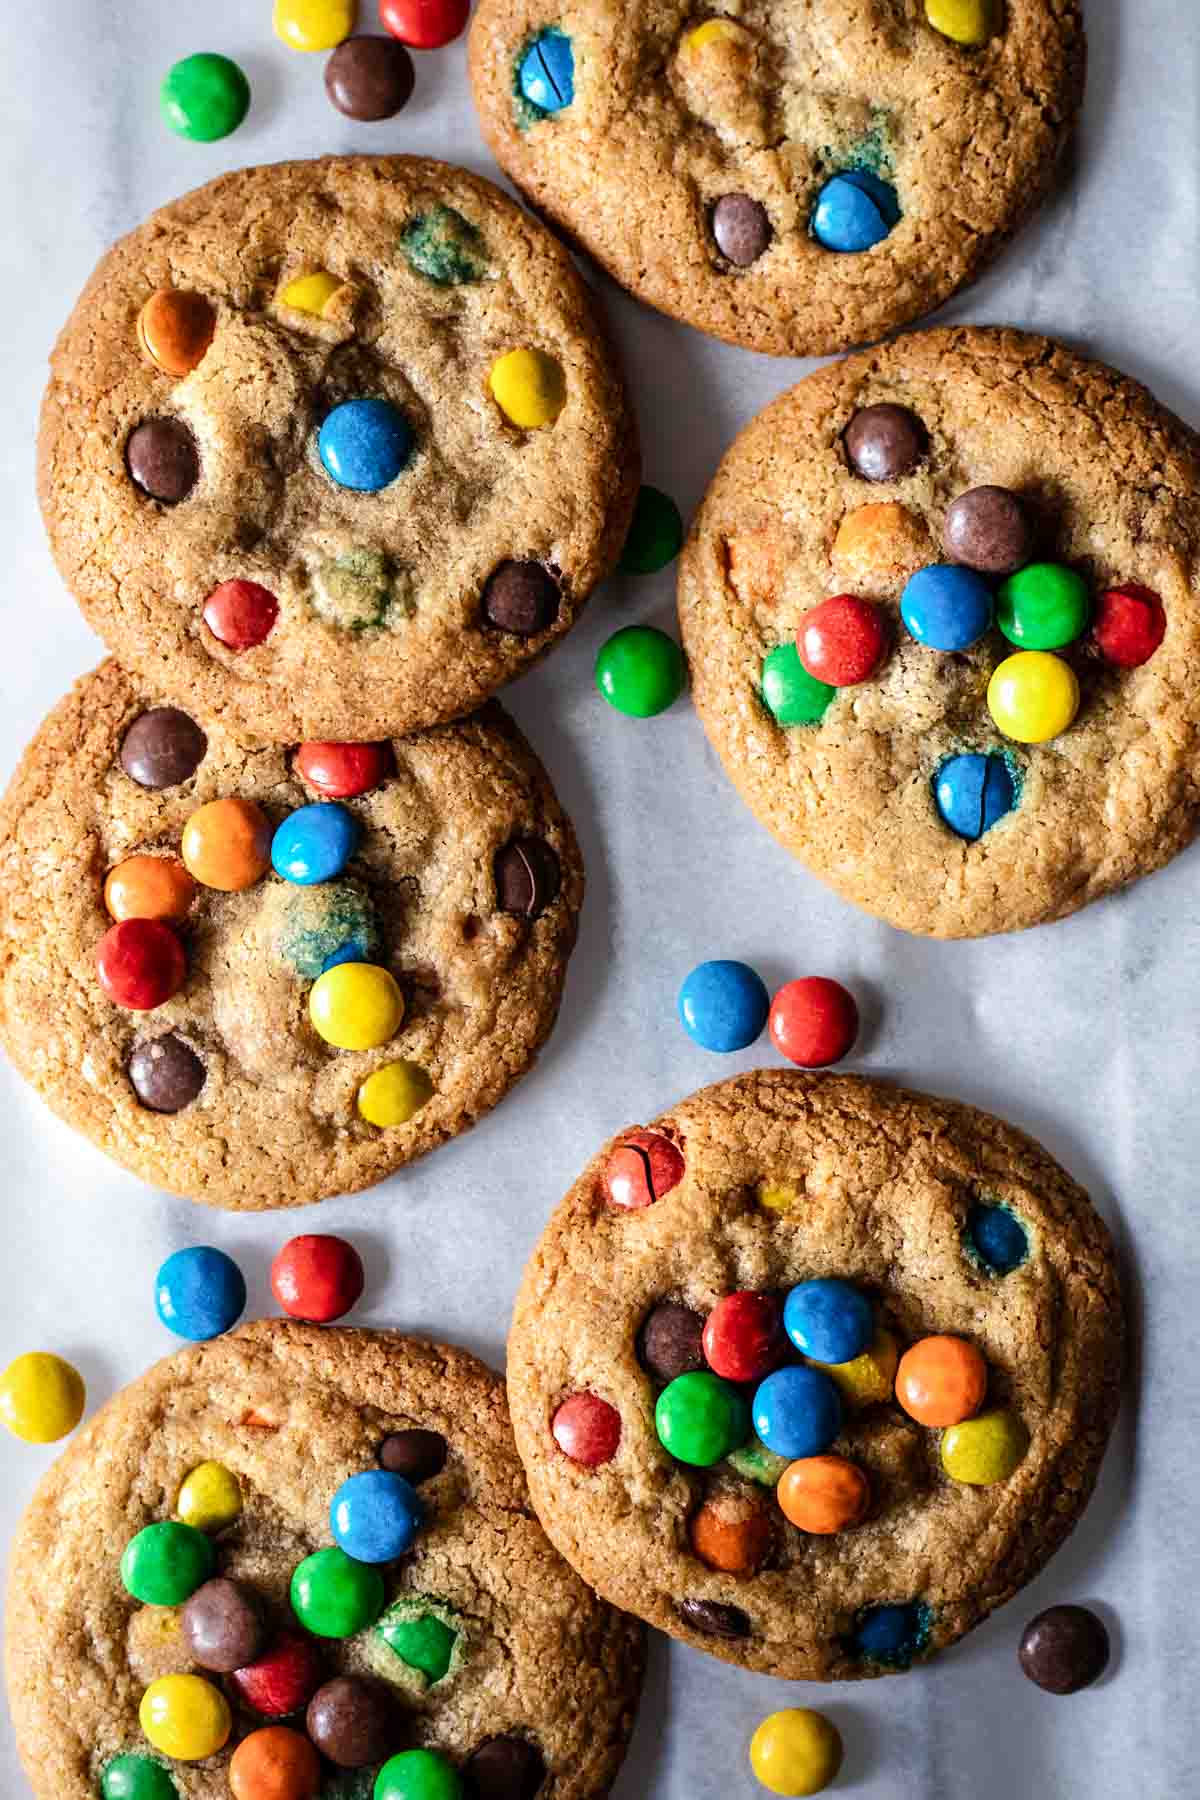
<point>996,1238</point>
<point>546,72</point>
<point>376,1516</point>
<point>723,1005</point>
<point>893,1635</point>
<point>200,1293</point>
<point>973,791</point>
<point>797,1412</point>
<point>947,607</point>
<point>855,210</point>
<point>364,444</point>
<point>315,843</point>
<point>828,1320</point>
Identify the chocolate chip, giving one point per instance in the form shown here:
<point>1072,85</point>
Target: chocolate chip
<point>988,529</point>
<point>713,1619</point>
<point>1064,1649</point>
<point>163,459</point>
<point>163,748</point>
<point>504,1768</point>
<point>417,1455</point>
<point>222,1626</point>
<point>369,77</point>
<point>527,876</point>
<point>521,597</point>
<point>350,1721</point>
<point>669,1344</point>
<point>884,442</point>
<point>165,1073</point>
<point>741,228</point>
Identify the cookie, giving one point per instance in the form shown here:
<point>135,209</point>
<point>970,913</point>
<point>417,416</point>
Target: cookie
<point>334,449</point>
<point>839,1484</point>
<point>940,611</point>
<point>257,977</point>
<point>480,1647</point>
<point>798,177</point>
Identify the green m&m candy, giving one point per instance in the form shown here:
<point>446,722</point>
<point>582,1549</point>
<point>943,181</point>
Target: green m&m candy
<point>165,1564</point>
<point>137,1778</point>
<point>655,536</point>
<point>419,1638</point>
<point>700,1419</point>
<point>1042,607</point>
<point>418,1775</point>
<point>204,98</point>
<point>333,1596</point>
<point>640,671</point>
<point>790,694</point>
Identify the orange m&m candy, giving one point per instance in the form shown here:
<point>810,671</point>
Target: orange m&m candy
<point>823,1494</point>
<point>880,544</point>
<point>149,887</point>
<point>941,1381</point>
<point>175,329</point>
<point>275,1763</point>
<point>227,844</point>
<point>732,1532</point>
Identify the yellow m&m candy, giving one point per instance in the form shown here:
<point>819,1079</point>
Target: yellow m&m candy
<point>185,1717</point>
<point>985,1449</point>
<point>869,1377</point>
<point>311,293</point>
<point>1033,696</point>
<point>529,387</point>
<point>394,1094</point>
<point>970,22</point>
<point>777,1196</point>
<point>313,24</point>
<point>41,1397</point>
<point>356,1006</point>
<point>713,31</point>
<point>210,1498</point>
<point>796,1752</point>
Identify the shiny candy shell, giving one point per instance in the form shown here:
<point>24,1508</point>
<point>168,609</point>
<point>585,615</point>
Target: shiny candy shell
<point>743,1336</point>
<point>356,1006</point>
<point>1044,606</point>
<point>241,614</point>
<point>342,771</point>
<point>967,22</point>
<point>546,71</point>
<point>700,1419</point>
<point>132,1777</point>
<point>370,78</point>
<point>424,24</point>
<point>315,843</point>
<point>813,1021</point>
<point>204,97</point>
<point>1033,696</point>
<point>828,1320</point>
<point>823,1494</point>
<point>984,1450</point>
<point>313,24</point>
<point>394,1094</point>
<point>797,1412</point>
<point>842,641</point>
<point>200,1292</point>
<point>529,387</point>
<point>790,694</point>
<point>227,844</point>
<point>149,887</point>
<point>333,1596</point>
<point>418,1775</point>
<point>974,791</point>
<point>140,964</point>
<point>640,671</point>
<point>946,607</point>
<point>275,1763</point>
<point>210,1497</point>
<point>165,1563</point>
<point>641,1169</point>
<point>317,1277</point>
<point>283,1679</point>
<point>375,1516</point>
<point>723,1005</point>
<point>655,535</point>
<point>1064,1649</point>
<point>941,1380</point>
<point>867,1379</point>
<point>996,1238</point>
<point>365,444</point>
<point>175,329</point>
<point>41,1397</point>
<point>1129,625</point>
<point>855,210</point>
<point>796,1752</point>
<point>185,1717</point>
<point>587,1429</point>
<point>311,293</point>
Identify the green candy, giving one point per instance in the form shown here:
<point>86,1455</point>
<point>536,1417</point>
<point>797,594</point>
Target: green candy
<point>137,1778</point>
<point>1043,607</point>
<point>420,1639</point>
<point>165,1564</point>
<point>333,1596</point>
<point>754,1462</point>
<point>360,590</point>
<point>700,1419</point>
<point>204,98</point>
<point>418,1775</point>
<point>656,535</point>
<point>790,694</point>
<point>640,671</point>
<point>444,247</point>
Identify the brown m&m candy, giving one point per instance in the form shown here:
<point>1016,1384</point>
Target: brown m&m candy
<point>163,748</point>
<point>166,1075</point>
<point>1064,1649</point>
<point>418,1455</point>
<point>713,1618</point>
<point>175,328</point>
<point>527,876</point>
<point>369,78</point>
<point>504,1768</point>
<point>741,228</point>
<point>350,1722</point>
<point>222,1626</point>
<point>521,598</point>
<point>884,442</point>
<point>163,459</point>
<point>671,1341</point>
<point>988,529</point>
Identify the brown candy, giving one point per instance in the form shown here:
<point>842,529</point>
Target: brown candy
<point>175,328</point>
<point>527,876</point>
<point>1064,1649</point>
<point>521,598</point>
<point>222,1626</point>
<point>417,1455</point>
<point>989,529</point>
<point>884,442</point>
<point>713,1618</point>
<point>163,459</point>
<point>165,1073</point>
<point>350,1722</point>
<point>504,1768</point>
<point>163,748</point>
<point>670,1341</point>
<point>369,78</point>
<point>741,228</point>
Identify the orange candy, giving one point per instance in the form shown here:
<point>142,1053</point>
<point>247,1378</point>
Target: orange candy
<point>941,1381</point>
<point>227,844</point>
<point>275,1764</point>
<point>149,887</point>
<point>823,1494</point>
<point>732,1532</point>
<point>881,543</point>
<point>175,329</point>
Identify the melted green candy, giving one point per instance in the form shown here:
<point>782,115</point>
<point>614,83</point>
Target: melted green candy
<point>425,1635</point>
<point>359,589</point>
<point>444,247</point>
<point>319,921</point>
<point>754,1462</point>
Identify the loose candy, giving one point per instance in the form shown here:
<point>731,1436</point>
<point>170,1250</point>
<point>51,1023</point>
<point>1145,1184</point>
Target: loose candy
<point>670,1342</point>
<point>140,964</point>
<point>318,1278</point>
<point>375,1516</point>
<point>1033,696</point>
<point>315,843</point>
<point>946,607</point>
<point>222,1626</point>
<point>227,844</point>
<point>546,72</point>
<point>333,1596</point>
<point>893,1634</point>
<point>655,536</point>
<point>1064,1649</point>
<point>365,444</point>
<point>350,1722</point>
<point>885,442</point>
<point>700,1419</point>
<point>796,1752</point>
<point>989,529</point>
<point>741,228</point>
<point>241,614</point>
<point>370,78</point>
<point>984,1450</point>
<point>175,328</point>
<point>587,1429</point>
<point>41,1397</point>
<point>204,98</point>
<point>417,1454</point>
<point>797,1412</point>
<point>974,791</point>
<point>424,24</point>
<point>643,1168</point>
<point>871,1377</point>
<point>282,1680</point>
<point>356,1006</point>
<point>149,887</point>
<point>842,641</point>
<point>505,1768</point>
<point>640,671</point>
<point>823,1494</point>
<point>790,694</point>
<point>162,748</point>
<point>342,771</point>
<point>210,1498</point>
<point>275,1763</point>
<point>1129,625</point>
<point>164,1564</point>
<point>163,460</point>
<point>1043,607</point>
<point>941,1380</point>
<point>733,1532</point>
<point>967,22</point>
<point>165,1073</point>
<point>185,1717</point>
<point>828,1320</point>
<point>723,1005</point>
<point>713,1619</point>
<point>313,24</point>
<point>422,1641</point>
<point>394,1094</point>
<point>996,1238</point>
<point>418,1775</point>
<point>813,1021</point>
<point>743,1336</point>
<point>527,876</point>
<point>132,1777</point>
<point>522,598</point>
<point>855,210</point>
<point>529,387</point>
<point>200,1292</point>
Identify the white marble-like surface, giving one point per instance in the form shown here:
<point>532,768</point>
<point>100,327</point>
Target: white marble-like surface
<point>1084,1033</point>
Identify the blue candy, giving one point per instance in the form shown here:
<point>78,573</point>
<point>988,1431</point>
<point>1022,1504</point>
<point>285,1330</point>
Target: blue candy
<point>353,951</point>
<point>893,1634</point>
<point>200,1293</point>
<point>723,1005</point>
<point>546,72</point>
<point>947,607</point>
<point>364,444</point>
<point>828,1320</point>
<point>973,791</point>
<point>997,1238</point>
<point>376,1516</point>
<point>315,843</point>
<point>855,210</point>
<point>797,1412</point>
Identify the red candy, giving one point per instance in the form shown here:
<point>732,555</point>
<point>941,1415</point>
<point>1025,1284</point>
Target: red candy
<point>642,1169</point>
<point>1129,625</point>
<point>743,1337</point>
<point>241,614</point>
<point>842,641</point>
<point>587,1429</point>
<point>317,1278</point>
<point>140,964</point>
<point>284,1680</point>
<point>339,771</point>
<point>813,1022</point>
<point>424,24</point>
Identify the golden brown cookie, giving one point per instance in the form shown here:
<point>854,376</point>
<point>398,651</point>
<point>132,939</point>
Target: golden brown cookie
<point>854,482</point>
<point>796,177</point>
<point>241,375</point>
<point>943,1219</point>
<point>526,1660</point>
<point>460,896</point>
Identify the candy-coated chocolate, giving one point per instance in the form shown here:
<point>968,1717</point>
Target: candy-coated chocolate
<point>370,78</point>
<point>813,1021</point>
<point>424,24</point>
<point>743,1336</point>
<point>946,607</point>
<point>527,876</point>
<point>1129,625</point>
<point>867,1379</point>
<point>185,1717</point>
<point>842,641</point>
<point>828,1320</point>
<point>777,1196</point>
<point>797,1412</point>
<point>394,1094</point>
<point>741,228</point>
<point>313,24</point>
<point>175,328</point>
<point>967,22</point>
<point>275,1763</point>
<point>640,671</point>
<point>350,1722</point>
<point>504,1768</point>
<point>418,1775</point>
<point>643,1168</point>
<point>165,1073</point>
<point>986,1449</point>
<point>974,791</point>
<point>894,1633</point>
<point>796,1752</point>
<point>312,293</point>
<point>733,1531</point>
<point>140,963</point>
<point>1064,1649</point>
<point>855,210</point>
<point>317,1277</point>
<point>365,444</point>
<point>587,1429</point>
<point>884,442</point>
<point>670,1342</point>
<point>790,694</point>
<point>700,1419</point>
<point>723,1005</point>
<point>712,31</point>
<point>341,771</point>
<point>417,1454</point>
<point>356,1006</point>
<point>529,387</point>
<point>42,1397</point>
<point>210,1497</point>
<point>165,1563</point>
<point>1033,696</point>
<point>334,1595</point>
<point>521,597</point>
<point>222,1626</point>
<point>283,1679</point>
<point>421,1640</point>
<point>375,1516</point>
<point>162,748</point>
<point>227,844</point>
<point>996,1238</point>
<point>941,1380</point>
<point>200,1292</point>
<point>823,1494</point>
<point>878,545</point>
<point>149,887</point>
<point>546,71</point>
<point>132,1777</point>
<point>655,536</point>
<point>163,460</point>
<point>204,97</point>
<point>444,247</point>
<point>241,614</point>
<point>315,842</point>
<point>754,1462</point>
<point>989,529</point>
<point>1043,607</point>
<point>713,1619</point>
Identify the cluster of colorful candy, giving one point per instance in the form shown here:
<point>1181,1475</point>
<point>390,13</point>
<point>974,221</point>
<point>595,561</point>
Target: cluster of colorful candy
<point>200,1292</point>
<point>812,1021</point>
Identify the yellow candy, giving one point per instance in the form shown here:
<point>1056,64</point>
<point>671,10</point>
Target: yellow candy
<point>985,1449</point>
<point>356,1006</point>
<point>797,1751</point>
<point>393,1094</point>
<point>210,1498</point>
<point>529,387</point>
<point>313,24</point>
<point>777,1196</point>
<point>713,31</point>
<point>1033,696</point>
<point>869,1377</point>
<point>970,22</point>
<point>185,1717</point>
<point>41,1397</point>
<point>311,293</point>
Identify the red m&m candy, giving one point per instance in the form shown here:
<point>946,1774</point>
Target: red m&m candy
<point>1129,625</point>
<point>284,1679</point>
<point>813,1022</point>
<point>140,963</point>
<point>241,614</point>
<point>842,641</point>
<point>317,1278</point>
<point>339,771</point>
<point>424,24</point>
<point>743,1336</point>
<point>642,1169</point>
<point>587,1429</point>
